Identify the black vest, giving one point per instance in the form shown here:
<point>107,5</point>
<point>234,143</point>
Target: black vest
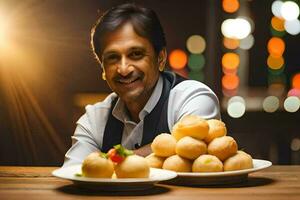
<point>155,122</point>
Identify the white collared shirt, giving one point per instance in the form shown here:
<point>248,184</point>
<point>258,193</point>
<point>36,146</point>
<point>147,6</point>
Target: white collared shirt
<point>187,97</point>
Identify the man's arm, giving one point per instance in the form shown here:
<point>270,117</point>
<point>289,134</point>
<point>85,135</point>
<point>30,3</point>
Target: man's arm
<point>82,145</point>
<point>192,97</point>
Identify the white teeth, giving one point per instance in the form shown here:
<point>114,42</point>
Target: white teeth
<point>126,81</point>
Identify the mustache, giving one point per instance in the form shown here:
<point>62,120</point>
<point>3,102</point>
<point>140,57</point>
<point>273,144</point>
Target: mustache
<point>130,76</point>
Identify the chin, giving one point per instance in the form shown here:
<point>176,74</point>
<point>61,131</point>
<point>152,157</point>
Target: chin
<point>133,95</point>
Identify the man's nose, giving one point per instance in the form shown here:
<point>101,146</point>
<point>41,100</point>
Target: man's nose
<point>124,67</point>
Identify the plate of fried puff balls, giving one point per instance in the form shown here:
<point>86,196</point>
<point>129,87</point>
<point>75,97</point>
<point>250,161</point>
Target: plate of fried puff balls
<point>201,152</point>
<point>197,152</point>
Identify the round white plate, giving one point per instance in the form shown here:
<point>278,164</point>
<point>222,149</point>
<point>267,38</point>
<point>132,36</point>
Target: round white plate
<point>219,178</point>
<point>113,184</point>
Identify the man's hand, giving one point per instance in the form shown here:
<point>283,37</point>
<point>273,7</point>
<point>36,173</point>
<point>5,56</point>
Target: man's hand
<point>144,150</point>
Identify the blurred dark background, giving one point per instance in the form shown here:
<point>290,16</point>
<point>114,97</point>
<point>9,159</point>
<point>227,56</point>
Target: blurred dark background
<point>48,74</point>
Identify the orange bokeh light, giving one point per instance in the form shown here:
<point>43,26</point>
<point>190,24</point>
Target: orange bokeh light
<point>296,81</point>
<point>230,61</point>
<point>229,71</point>
<point>275,62</point>
<point>230,81</point>
<point>276,46</point>
<point>230,43</point>
<point>230,6</point>
<point>177,59</point>
<point>277,23</point>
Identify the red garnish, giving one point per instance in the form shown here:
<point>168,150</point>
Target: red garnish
<point>118,153</point>
<point>114,156</point>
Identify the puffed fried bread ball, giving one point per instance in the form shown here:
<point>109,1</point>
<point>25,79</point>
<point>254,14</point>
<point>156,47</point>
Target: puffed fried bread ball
<point>239,161</point>
<point>155,161</point>
<point>207,163</point>
<point>164,145</point>
<point>177,164</point>
<point>190,148</point>
<point>217,128</point>
<point>133,166</point>
<point>222,147</point>
<point>97,166</point>
<point>190,125</point>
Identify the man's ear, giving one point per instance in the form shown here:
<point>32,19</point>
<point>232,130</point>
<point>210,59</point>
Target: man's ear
<point>162,59</point>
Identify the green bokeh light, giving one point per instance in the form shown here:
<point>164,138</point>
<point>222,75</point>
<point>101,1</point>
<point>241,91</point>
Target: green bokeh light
<point>277,33</point>
<point>276,71</point>
<point>196,75</point>
<point>196,62</point>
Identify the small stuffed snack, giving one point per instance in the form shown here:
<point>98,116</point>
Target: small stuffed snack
<point>97,165</point>
<point>127,164</point>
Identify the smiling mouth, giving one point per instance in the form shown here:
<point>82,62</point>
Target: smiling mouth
<point>127,81</point>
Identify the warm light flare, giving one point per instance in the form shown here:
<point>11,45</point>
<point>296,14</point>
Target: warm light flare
<point>4,31</point>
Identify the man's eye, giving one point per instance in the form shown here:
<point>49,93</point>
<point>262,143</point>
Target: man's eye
<point>136,55</point>
<point>111,58</point>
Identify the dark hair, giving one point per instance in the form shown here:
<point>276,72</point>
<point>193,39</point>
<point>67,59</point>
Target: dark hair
<point>144,20</point>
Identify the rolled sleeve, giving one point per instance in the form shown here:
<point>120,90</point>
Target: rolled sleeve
<point>83,144</point>
<point>192,97</point>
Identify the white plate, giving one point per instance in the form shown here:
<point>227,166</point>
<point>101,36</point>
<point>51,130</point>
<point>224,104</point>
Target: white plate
<point>220,178</point>
<point>108,184</point>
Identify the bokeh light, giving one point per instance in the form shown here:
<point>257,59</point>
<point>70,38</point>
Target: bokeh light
<point>236,107</point>
<point>247,42</point>
<point>276,89</point>
<point>277,23</point>
<point>230,6</point>
<point>276,7</point>
<point>292,27</point>
<point>275,62</point>
<point>229,71</point>
<point>238,28</point>
<point>289,10</point>
<point>230,43</point>
<point>295,144</point>
<point>271,104</point>
<point>296,81</point>
<point>230,60</point>
<point>196,62</point>
<point>291,104</point>
<point>198,75</point>
<point>276,46</point>
<point>196,44</point>
<point>294,92</point>
<point>230,81</point>
<point>177,59</point>
<point>277,33</point>
<point>276,72</point>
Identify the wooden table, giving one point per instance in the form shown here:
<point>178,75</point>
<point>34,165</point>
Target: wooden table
<point>30,183</point>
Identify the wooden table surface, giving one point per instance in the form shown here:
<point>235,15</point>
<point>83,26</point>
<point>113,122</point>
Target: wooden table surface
<point>30,183</point>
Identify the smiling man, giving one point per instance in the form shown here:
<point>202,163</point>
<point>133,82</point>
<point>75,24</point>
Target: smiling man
<point>129,43</point>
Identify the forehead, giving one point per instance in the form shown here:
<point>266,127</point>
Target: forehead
<point>125,38</point>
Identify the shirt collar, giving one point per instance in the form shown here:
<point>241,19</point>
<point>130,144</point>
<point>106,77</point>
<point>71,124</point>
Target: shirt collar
<point>121,113</point>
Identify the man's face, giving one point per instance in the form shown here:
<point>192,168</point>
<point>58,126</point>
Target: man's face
<point>130,64</point>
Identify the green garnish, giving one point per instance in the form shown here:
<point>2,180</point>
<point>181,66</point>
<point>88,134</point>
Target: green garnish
<point>123,151</point>
<point>78,175</point>
<point>103,155</point>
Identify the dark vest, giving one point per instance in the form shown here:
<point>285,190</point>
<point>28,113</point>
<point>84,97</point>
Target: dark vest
<point>155,122</point>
